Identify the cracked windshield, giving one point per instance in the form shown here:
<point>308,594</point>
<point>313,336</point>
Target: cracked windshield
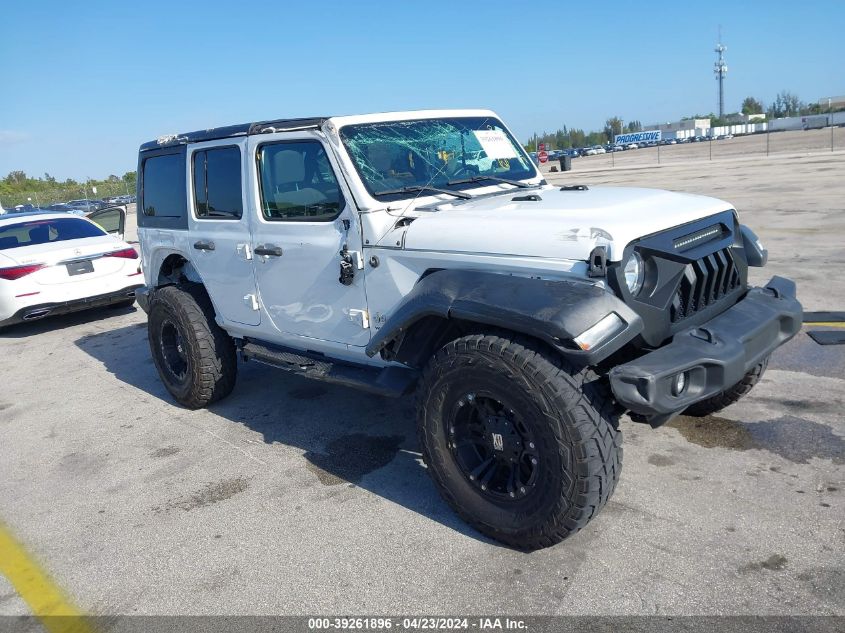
<point>402,157</point>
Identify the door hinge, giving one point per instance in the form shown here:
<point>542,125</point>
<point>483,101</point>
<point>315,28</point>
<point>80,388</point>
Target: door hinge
<point>251,301</point>
<point>354,315</point>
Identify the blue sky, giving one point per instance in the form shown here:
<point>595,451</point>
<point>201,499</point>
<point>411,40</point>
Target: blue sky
<point>85,83</point>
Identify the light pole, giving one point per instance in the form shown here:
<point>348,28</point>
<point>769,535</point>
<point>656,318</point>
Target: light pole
<point>830,121</point>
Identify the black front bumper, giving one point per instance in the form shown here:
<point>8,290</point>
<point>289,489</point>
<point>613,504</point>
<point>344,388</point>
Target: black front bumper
<point>714,356</point>
<point>43,310</point>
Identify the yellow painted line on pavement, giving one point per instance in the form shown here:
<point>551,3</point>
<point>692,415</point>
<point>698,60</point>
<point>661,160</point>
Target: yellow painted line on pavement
<point>46,601</point>
<point>838,324</point>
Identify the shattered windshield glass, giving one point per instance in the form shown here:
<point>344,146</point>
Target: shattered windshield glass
<point>393,156</point>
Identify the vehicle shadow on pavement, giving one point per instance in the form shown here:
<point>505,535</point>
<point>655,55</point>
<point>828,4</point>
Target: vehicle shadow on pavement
<point>349,438</point>
<point>54,324</point>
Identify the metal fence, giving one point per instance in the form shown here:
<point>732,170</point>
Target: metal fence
<point>799,142</point>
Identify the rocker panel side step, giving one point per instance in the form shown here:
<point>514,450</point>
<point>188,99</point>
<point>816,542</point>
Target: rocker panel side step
<point>385,381</point>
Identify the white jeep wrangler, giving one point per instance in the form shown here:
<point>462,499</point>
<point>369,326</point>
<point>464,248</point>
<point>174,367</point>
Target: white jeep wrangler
<point>377,252</point>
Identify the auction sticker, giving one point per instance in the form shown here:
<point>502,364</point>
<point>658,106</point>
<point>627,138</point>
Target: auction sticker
<point>495,143</point>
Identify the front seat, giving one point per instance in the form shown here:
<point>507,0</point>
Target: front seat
<point>291,188</point>
<point>39,234</point>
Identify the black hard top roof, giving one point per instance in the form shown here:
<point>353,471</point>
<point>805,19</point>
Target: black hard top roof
<point>242,129</point>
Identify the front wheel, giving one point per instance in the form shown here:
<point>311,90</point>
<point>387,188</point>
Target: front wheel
<point>195,358</point>
<point>521,446</point>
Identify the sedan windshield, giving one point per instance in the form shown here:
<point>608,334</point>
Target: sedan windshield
<point>397,159</point>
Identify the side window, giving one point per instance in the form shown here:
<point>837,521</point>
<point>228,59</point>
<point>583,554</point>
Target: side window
<point>297,182</point>
<point>217,183</point>
<point>164,186</point>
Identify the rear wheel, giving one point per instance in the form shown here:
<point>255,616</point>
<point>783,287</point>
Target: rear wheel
<point>195,358</point>
<point>730,396</point>
<point>523,447</point>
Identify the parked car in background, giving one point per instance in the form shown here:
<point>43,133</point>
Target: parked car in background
<point>632,146</point>
<point>55,263</point>
<point>87,206</point>
<point>63,207</point>
<point>122,199</point>
<point>478,161</point>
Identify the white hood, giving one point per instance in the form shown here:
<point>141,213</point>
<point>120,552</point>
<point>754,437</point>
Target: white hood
<point>562,225</point>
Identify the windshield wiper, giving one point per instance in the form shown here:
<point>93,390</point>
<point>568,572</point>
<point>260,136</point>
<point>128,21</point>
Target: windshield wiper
<point>418,188</point>
<point>507,181</point>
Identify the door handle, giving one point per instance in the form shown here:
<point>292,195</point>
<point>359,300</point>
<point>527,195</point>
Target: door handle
<point>204,246</point>
<point>268,250</point>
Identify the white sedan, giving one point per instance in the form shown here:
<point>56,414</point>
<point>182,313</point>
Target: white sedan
<point>55,263</point>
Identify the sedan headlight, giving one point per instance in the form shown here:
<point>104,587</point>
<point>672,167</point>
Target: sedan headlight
<point>634,273</point>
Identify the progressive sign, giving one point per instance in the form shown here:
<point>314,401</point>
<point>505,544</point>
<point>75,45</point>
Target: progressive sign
<point>637,137</point>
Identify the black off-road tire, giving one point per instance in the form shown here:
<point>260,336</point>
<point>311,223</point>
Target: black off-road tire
<point>574,424</point>
<point>728,397</point>
<point>206,354</point>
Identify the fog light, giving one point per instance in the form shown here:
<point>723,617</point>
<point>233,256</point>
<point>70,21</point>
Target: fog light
<point>679,384</point>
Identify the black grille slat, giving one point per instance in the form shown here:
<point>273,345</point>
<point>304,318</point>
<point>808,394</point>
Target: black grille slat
<point>730,271</point>
<point>721,266</point>
<point>687,292</point>
<point>710,265</point>
<point>700,284</point>
<point>704,282</point>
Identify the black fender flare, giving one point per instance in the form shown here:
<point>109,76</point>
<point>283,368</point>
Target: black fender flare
<point>554,311</point>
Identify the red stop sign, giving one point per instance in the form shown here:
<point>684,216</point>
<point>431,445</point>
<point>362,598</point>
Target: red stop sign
<point>543,156</point>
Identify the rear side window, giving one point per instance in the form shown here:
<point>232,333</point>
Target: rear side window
<point>164,185</point>
<point>217,183</point>
<point>46,231</point>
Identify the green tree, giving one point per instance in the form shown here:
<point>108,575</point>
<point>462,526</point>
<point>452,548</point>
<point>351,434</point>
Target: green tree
<point>750,105</point>
<point>612,127</point>
<point>785,104</point>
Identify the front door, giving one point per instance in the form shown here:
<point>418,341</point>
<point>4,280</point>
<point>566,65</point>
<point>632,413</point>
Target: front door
<point>305,228</point>
<point>219,229</point>
<point>111,219</point>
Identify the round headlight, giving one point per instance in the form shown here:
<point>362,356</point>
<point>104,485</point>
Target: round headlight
<point>634,273</point>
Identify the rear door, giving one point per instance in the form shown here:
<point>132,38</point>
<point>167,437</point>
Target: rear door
<point>219,228</point>
<point>304,228</point>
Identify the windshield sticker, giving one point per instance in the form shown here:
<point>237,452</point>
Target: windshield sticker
<point>495,144</point>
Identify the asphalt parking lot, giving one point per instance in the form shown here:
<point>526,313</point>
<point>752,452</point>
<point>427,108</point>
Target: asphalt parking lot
<point>295,497</point>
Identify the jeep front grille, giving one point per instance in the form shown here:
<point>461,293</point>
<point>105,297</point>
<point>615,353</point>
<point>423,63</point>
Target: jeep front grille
<point>704,282</point>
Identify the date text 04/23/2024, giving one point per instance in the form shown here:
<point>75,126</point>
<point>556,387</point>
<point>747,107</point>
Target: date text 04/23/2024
<point>416,623</point>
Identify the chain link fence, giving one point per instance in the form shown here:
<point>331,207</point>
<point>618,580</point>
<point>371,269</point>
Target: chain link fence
<point>783,143</point>
<point>65,192</point>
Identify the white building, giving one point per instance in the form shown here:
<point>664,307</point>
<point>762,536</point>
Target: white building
<point>681,129</point>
